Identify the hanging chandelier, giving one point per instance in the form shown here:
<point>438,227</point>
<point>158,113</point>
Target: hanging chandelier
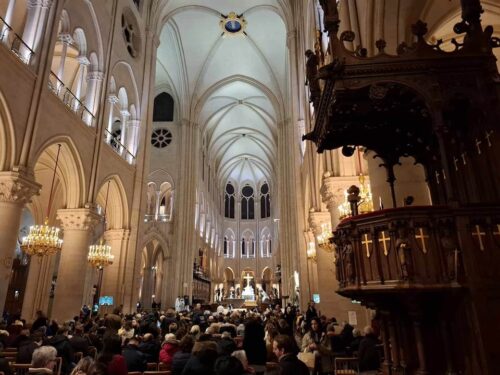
<point>43,239</point>
<point>100,255</point>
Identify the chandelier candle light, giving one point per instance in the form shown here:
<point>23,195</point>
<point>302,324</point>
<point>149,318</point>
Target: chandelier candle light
<point>100,255</point>
<point>43,239</point>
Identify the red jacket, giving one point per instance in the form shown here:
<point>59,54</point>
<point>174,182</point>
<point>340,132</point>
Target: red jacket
<point>117,366</point>
<point>167,352</point>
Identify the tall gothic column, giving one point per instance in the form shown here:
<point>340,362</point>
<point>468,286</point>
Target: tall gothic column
<point>115,276</point>
<point>125,114</point>
<point>94,83</point>
<point>16,190</point>
<point>36,18</point>
<point>112,99</point>
<point>78,225</point>
<point>131,142</point>
<point>9,14</point>
<point>83,62</point>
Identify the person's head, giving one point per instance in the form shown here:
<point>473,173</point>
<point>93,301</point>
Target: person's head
<point>283,344</point>
<point>195,330</point>
<point>315,325</point>
<point>241,355</point>
<point>356,332</point>
<point>227,365</point>
<point>186,344</point>
<point>309,53</point>
<point>170,337</point>
<point>198,306</point>
<point>44,357</point>
<point>79,329</point>
<point>25,332</point>
<point>172,327</point>
<point>37,337</point>
<point>205,351</point>
<point>63,330</point>
<point>85,366</point>
<point>147,337</point>
<point>368,330</point>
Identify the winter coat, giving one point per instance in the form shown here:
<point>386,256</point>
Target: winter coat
<point>167,351</point>
<point>179,362</point>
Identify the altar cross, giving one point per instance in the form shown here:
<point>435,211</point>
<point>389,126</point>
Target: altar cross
<point>248,278</point>
<point>479,236</point>
<point>422,236</point>
<point>366,242</point>
<point>383,239</point>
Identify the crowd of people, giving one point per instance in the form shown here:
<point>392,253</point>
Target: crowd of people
<point>273,341</point>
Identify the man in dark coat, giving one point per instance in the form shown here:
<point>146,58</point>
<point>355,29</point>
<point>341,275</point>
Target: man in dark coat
<point>150,348</point>
<point>284,349</point>
<point>64,350</point>
<point>135,359</point>
<point>26,349</point>
<point>78,342</point>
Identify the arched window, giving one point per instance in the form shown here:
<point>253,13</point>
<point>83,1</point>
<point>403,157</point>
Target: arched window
<point>163,109</point>
<point>247,203</point>
<point>265,201</point>
<point>247,244</point>
<point>243,248</point>
<point>225,248</point>
<point>229,201</point>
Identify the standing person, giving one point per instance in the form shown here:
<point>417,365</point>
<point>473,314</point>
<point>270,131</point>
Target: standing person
<point>64,350</point>
<point>284,349</point>
<point>254,345</point>
<point>41,321</point>
<point>368,355</point>
<point>316,341</point>
<point>311,312</point>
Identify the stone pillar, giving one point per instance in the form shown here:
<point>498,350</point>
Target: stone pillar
<point>66,40</point>
<point>332,194</point>
<point>132,141</point>
<point>84,62</point>
<point>118,277</point>
<point>16,189</point>
<point>125,114</point>
<point>8,20</point>
<point>112,99</point>
<point>34,29</point>
<point>147,287</point>
<point>78,225</point>
<point>92,97</point>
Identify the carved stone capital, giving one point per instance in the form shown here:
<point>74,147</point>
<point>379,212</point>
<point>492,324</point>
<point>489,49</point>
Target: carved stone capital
<point>113,99</point>
<point>66,38</point>
<point>333,188</point>
<point>16,187</point>
<point>39,4</point>
<point>317,219</point>
<point>96,76</point>
<point>78,219</point>
<point>117,235</point>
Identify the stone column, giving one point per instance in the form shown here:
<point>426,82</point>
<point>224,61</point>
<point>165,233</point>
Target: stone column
<point>132,141</point>
<point>112,99</point>
<point>92,97</point>
<point>84,62</point>
<point>118,276</point>
<point>125,114</point>
<point>16,189</point>
<point>78,225</point>
<point>34,29</point>
<point>8,21</point>
<point>66,40</point>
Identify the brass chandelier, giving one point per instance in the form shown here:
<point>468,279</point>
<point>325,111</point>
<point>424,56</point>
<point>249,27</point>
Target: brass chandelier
<point>43,239</point>
<point>100,255</point>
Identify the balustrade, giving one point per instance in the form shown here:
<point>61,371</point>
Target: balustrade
<point>119,148</point>
<point>15,43</point>
<point>70,100</point>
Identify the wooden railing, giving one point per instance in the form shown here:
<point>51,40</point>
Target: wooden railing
<point>70,100</point>
<point>15,43</point>
<point>410,247</point>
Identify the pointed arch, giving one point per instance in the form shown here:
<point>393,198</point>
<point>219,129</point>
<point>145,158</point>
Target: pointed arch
<point>7,136</point>
<point>117,213</point>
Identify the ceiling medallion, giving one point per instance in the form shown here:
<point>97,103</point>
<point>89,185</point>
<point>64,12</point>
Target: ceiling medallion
<point>232,24</point>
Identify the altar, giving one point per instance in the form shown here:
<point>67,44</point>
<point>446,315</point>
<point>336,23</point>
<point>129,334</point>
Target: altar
<point>248,293</point>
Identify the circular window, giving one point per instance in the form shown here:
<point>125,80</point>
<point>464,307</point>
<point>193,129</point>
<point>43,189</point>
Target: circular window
<point>264,189</point>
<point>247,191</point>
<point>229,189</point>
<point>161,138</point>
<point>130,31</point>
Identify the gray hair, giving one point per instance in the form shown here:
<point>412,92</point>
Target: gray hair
<point>43,355</point>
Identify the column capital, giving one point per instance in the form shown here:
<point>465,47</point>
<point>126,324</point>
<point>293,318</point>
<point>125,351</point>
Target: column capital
<point>39,3</point>
<point>117,234</point>
<point>125,113</point>
<point>97,76</point>
<point>333,188</point>
<point>113,99</point>
<point>83,60</point>
<point>134,123</point>
<point>316,219</point>
<point>17,187</point>
<point>78,218</point>
<point>65,38</point>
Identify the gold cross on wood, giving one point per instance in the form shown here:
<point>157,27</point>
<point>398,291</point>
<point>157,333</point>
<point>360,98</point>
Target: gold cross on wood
<point>366,242</point>
<point>422,236</point>
<point>382,238</point>
<point>479,236</point>
<point>498,231</point>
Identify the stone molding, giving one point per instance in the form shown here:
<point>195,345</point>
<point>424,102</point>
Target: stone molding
<point>332,189</point>
<point>16,187</point>
<point>78,219</point>
<point>97,76</point>
<point>133,123</point>
<point>39,3</point>
<point>117,235</point>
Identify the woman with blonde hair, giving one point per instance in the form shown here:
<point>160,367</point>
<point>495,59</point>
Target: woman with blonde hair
<point>85,366</point>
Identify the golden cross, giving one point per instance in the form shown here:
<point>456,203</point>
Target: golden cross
<point>248,278</point>
<point>422,236</point>
<point>366,243</point>
<point>479,236</point>
<point>384,239</point>
<point>497,233</point>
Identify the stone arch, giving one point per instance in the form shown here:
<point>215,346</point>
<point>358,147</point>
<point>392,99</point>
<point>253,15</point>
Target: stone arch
<point>117,215</point>
<point>411,180</point>
<point>69,189</point>
<point>7,136</point>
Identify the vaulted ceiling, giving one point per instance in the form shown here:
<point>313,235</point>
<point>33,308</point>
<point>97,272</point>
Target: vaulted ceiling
<point>234,85</point>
